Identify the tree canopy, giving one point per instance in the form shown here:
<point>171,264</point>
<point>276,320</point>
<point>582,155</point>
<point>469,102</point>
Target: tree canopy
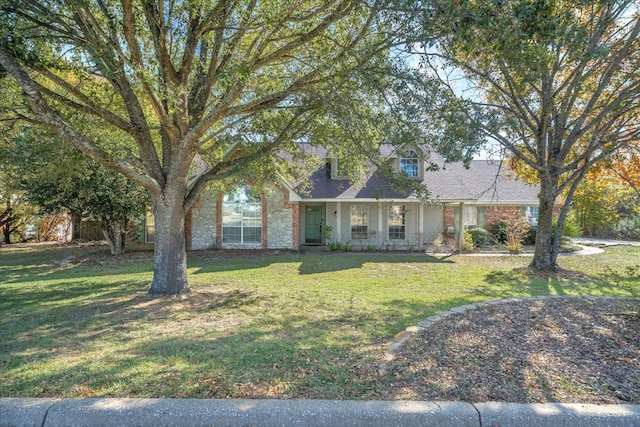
<point>57,178</point>
<point>558,84</point>
<point>227,82</point>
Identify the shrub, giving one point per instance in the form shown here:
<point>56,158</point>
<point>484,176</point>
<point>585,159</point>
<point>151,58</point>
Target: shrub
<point>570,228</point>
<point>468,241</point>
<point>480,236</point>
<point>530,238</point>
<point>517,229</point>
<point>499,231</point>
<point>629,227</point>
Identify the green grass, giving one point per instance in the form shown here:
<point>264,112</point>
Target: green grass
<point>288,325</point>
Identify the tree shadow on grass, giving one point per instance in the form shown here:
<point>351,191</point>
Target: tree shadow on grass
<point>312,263</point>
<point>519,282</point>
<point>218,343</point>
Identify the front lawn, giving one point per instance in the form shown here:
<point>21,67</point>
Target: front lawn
<point>75,322</point>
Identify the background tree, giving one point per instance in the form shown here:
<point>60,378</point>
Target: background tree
<point>233,82</point>
<point>57,178</point>
<point>559,83</point>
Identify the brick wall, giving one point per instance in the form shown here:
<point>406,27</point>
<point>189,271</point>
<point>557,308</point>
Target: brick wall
<point>494,214</point>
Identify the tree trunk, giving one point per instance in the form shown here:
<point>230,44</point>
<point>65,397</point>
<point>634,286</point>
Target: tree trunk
<point>116,238</point>
<point>76,219</point>
<point>546,252</point>
<point>170,255</point>
<point>6,218</point>
<point>6,231</point>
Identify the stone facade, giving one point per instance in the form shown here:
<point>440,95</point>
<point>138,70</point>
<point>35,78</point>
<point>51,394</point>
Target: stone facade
<point>279,222</point>
<point>203,222</point>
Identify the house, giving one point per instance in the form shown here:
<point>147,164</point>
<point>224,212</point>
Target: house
<point>370,213</point>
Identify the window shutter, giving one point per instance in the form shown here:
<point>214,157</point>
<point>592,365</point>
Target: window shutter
<point>480,216</point>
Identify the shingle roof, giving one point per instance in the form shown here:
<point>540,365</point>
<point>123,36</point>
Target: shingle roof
<point>485,181</point>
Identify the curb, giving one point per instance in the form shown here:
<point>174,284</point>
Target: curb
<point>17,412</point>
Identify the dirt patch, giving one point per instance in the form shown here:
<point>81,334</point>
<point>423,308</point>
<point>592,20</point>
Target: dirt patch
<point>583,350</point>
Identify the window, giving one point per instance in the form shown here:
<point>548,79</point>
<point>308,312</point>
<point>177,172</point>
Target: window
<point>242,216</point>
<point>396,222</point>
<point>359,222</point>
<point>343,168</point>
<point>409,163</point>
<point>470,216</point>
<point>531,213</point>
<point>149,228</point>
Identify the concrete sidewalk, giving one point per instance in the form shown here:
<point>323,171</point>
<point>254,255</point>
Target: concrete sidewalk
<point>16,412</point>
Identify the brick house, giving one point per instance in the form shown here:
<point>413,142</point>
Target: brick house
<point>370,213</point>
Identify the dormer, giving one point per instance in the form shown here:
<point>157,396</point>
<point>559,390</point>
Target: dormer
<point>337,168</point>
<point>410,161</point>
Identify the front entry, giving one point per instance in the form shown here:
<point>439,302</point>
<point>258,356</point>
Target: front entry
<point>313,224</point>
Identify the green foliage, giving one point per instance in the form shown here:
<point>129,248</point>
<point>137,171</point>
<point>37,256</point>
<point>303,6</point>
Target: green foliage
<point>230,87</point>
<point>598,204</point>
<point>59,179</point>
<point>468,244</point>
<point>327,233</point>
<point>481,236</point>
<point>570,228</point>
<point>530,238</point>
<point>337,246</point>
<point>558,78</point>
<point>629,227</point>
<point>499,231</point>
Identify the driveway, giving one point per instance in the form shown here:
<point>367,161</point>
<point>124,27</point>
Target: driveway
<point>594,241</point>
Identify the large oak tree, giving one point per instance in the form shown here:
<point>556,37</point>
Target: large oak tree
<point>558,81</point>
<point>202,90</point>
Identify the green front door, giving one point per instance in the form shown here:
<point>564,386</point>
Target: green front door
<point>313,224</point>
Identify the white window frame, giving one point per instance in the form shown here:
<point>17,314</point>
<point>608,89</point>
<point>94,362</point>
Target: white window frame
<point>247,213</point>
<point>359,219</point>
<point>409,160</point>
<point>469,216</point>
<point>397,219</point>
<point>531,214</point>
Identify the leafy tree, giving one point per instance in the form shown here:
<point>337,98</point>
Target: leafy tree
<point>15,211</point>
<point>600,202</point>
<point>559,83</point>
<point>58,178</point>
<point>230,82</point>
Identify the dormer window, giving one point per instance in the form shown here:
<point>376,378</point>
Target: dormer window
<point>343,168</point>
<point>410,163</point>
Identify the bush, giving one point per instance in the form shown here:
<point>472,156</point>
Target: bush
<point>629,227</point>
<point>499,231</point>
<point>530,238</point>
<point>480,236</point>
<point>570,228</point>
<point>468,241</point>
<point>517,230</point>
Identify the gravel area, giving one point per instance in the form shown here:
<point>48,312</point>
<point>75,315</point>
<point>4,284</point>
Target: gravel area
<point>571,350</point>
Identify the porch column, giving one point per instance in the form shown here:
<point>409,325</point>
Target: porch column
<point>338,222</point>
<point>420,224</point>
<point>461,227</point>
<point>379,231</point>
